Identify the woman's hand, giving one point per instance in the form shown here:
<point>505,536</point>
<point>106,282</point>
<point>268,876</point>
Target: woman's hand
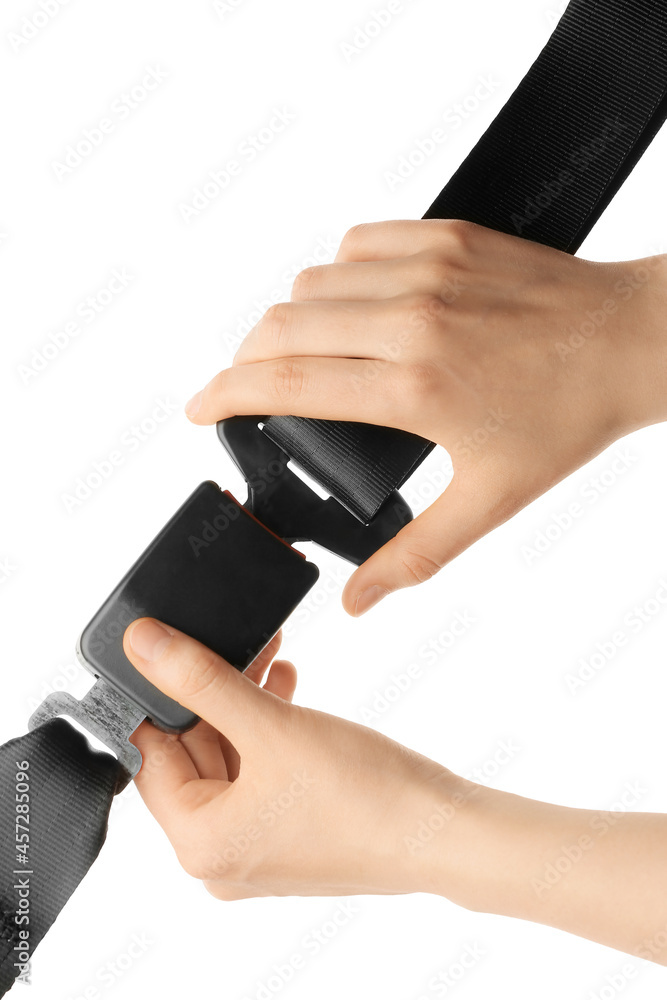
<point>290,801</point>
<point>523,362</point>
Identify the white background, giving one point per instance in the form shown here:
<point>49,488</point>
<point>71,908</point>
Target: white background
<point>166,334</point>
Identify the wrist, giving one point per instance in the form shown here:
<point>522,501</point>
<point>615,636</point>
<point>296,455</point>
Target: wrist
<point>638,342</point>
<point>479,847</point>
<point>448,845</point>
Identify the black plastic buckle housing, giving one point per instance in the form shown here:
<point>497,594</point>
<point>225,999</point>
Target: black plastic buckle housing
<point>226,574</point>
<point>286,505</point>
<point>213,572</point>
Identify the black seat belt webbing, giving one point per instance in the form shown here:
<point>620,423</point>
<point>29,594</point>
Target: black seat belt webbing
<point>545,169</point>
<point>70,788</point>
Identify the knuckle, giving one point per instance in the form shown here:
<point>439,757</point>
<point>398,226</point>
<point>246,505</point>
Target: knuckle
<point>419,567</point>
<point>276,323</point>
<point>354,236</point>
<point>423,380</point>
<point>436,269</point>
<point>287,383</point>
<point>425,310</point>
<point>220,384</point>
<point>459,233</point>
<point>201,676</point>
<point>354,232</point>
<point>305,282</point>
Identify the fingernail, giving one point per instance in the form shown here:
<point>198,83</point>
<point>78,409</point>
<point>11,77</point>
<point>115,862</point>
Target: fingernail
<point>192,407</point>
<point>149,639</point>
<point>367,598</point>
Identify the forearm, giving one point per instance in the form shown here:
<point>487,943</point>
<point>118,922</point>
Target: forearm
<point>600,875</point>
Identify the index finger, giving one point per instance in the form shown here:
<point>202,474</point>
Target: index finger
<point>400,238</point>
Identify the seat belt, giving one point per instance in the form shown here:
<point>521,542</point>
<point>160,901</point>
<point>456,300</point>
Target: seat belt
<point>54,805</point>
<point>545,169</point>
<point>226,573</point>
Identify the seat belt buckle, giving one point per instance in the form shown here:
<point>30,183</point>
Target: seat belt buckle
<point>222,572</point>
<point>214,572</point>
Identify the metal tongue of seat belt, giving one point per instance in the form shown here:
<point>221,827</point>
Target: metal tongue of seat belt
<point>226,573</point>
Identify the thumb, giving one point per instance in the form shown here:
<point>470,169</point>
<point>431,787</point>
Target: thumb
<point>469,508</point>
<point>199,679</point>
